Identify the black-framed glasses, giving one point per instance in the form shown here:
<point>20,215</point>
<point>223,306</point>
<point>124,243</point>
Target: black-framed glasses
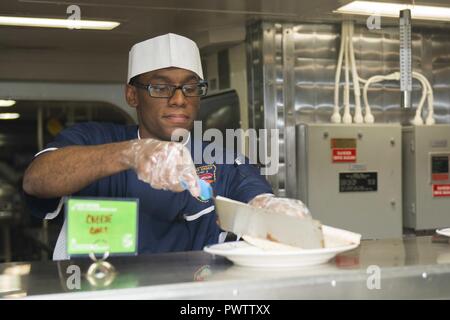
<point>198,89</point>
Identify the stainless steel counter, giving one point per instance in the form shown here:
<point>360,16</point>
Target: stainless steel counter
<point>408,269</point>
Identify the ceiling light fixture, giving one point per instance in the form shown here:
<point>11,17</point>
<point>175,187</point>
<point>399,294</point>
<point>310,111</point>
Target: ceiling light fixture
<point>57,23</point>
<point>9,116</point>
<point>7,103</point>
<point>387,9</point>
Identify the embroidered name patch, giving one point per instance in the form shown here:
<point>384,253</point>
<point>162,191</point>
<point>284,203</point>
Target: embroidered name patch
<point>207,173</point>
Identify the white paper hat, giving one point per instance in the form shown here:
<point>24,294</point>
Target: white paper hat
<point>169,50</point>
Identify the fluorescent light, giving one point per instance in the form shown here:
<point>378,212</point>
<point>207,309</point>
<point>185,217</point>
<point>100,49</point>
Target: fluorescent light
<point>387,9</point>
<point>57,23</point>
<point>7,103</point>
<point>18,270</point>
<point>9,116</point>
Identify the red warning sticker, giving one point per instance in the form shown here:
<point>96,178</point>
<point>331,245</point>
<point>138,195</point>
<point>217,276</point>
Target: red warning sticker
<point>439,176</point>
<point>344,155</point>
<point>441,190</point>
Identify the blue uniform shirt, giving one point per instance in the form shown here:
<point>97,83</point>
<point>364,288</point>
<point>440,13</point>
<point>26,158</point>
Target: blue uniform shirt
<point>168,221</point>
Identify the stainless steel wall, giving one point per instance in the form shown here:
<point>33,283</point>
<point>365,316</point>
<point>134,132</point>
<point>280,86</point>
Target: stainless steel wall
<point>291,69</point>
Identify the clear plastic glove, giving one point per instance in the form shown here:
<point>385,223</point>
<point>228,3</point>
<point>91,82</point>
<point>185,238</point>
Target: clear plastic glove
<point>291,207</point>
<point>163,165</point>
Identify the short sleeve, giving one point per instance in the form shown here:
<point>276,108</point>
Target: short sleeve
<point>39,208</point>
<point>83,134</point>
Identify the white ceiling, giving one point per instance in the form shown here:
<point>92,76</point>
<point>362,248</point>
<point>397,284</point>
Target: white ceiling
<point>84,55</point>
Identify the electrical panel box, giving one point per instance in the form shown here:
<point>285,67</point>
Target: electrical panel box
<point>426,181</point>
<point>350,176</point>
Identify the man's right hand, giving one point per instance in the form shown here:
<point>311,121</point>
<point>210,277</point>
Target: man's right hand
<point>163,165</point>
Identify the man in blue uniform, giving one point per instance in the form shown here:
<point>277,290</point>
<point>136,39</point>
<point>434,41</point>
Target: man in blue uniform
<point>165,83</point>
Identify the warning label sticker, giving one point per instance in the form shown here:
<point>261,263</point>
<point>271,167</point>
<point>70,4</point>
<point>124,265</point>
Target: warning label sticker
<point>441,190</point>
<point>358,181</point>
<point>439,176</point>
<point>344,155</point>
<point>343,143</point>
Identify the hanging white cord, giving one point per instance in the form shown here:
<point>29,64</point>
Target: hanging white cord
<point>418,117</point>
<point>347,52</point>
<point>346,118</point>
<point>336,116</point>
<point>357,118</point>
<point>428,91</point>
<point>374,79</point>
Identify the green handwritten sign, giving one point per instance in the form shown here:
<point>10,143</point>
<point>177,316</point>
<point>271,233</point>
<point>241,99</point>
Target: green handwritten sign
<point>100,225</point>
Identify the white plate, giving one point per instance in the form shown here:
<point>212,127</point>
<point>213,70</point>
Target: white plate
<point>444,232</point>
<point>244,254</point>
